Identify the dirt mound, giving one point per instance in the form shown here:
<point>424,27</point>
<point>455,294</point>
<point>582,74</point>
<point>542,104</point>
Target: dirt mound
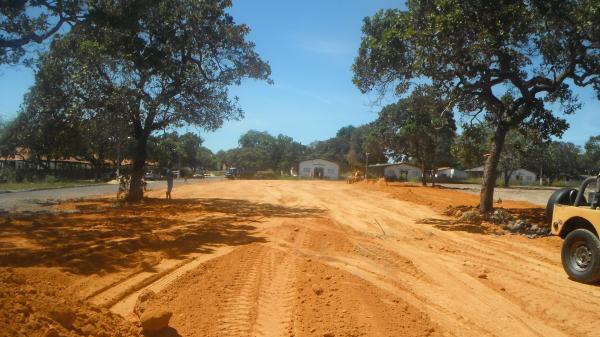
<point>36,304</point>
<point>527,221</point>
<point>464,208</point>
<point>259,291</point>
<point>439,197</point>
<point>332,302</point>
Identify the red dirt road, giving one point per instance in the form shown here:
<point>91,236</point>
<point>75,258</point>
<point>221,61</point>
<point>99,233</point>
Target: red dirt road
<point>387,267</point>
<point>313,258</point>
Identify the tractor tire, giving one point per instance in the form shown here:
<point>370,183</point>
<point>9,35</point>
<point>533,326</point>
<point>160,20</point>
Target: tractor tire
<point>580,256</point>
<point>564,196</point>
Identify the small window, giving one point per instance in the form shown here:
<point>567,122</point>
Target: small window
<point>306,169</point>
<point>330,171</point>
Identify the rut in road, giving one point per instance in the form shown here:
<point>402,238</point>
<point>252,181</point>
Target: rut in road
<point>260,299</point>
<point>276,297</point>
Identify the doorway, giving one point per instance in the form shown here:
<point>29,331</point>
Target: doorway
<point>318,172</point>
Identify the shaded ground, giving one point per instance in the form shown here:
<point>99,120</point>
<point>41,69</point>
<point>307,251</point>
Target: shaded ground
<point>290,258</point>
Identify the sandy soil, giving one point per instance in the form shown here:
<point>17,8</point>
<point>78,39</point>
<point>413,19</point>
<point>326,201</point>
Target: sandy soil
<point>287,258</point>
<point>534,194</point>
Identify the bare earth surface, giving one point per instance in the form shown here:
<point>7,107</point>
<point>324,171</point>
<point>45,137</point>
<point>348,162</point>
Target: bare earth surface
<point>286,258</point>
<point>533,194</point>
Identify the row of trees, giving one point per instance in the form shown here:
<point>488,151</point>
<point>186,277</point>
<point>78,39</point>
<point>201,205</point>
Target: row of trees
<point>281,154</point>
<point>421,129</point>
<point>552,160</point>
<point>48,138</point>
<point>144,65</point>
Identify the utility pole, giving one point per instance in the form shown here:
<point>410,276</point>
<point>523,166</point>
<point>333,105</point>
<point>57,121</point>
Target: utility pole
<point>367,166</point>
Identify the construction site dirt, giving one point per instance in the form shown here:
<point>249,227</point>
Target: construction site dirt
<point>287,258</point>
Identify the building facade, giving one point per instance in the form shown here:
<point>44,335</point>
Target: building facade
<point>451,173</point>
<point>319,169</point>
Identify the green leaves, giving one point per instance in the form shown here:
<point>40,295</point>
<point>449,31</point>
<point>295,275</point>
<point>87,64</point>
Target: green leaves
<point>482,49</point>
<point>418,127</point>
<point>23,23</point>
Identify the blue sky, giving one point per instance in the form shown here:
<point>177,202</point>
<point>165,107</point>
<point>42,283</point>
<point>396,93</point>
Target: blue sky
<point>310,46</point>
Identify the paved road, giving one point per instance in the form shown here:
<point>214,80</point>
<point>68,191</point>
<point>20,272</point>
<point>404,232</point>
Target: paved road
<point>534,195</point>
<point>43,200</point>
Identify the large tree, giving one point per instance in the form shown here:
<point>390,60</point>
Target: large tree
<point>504,60</point>
<point>471,146</point>
<point>418,127</point>
<point>41,133</point>
<point>522,148</point>
<point>349,147</point>
<point>288,154</point>
<point>262,151</point>
<point>159,63</point>
<point>591,158</point>
<point>562,160</point>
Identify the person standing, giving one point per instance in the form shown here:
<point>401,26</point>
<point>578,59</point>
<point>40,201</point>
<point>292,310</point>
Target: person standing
<point>169,183</point>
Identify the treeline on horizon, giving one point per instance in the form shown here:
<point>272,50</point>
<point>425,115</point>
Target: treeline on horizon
<point>281,154</point>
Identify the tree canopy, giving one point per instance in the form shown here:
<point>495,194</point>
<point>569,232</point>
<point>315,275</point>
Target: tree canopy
<point>159,63</point>
<point>418,127</point>
<point>591,161</point>
<point>500,61</point>
<point>262,151</point>
<point>24,22</point>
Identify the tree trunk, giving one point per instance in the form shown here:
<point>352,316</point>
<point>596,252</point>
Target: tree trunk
<point>486,197</point>
<point>136,189</point>
<point>423,176</point>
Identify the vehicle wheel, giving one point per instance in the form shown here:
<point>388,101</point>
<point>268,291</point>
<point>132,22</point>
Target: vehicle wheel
<point>564,196</point>
<point>581,256</point>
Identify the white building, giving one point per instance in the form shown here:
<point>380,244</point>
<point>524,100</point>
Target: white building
<point>401,171</point>
<point>319,168</point>
<point>451,173</point>
<point>524,177</point>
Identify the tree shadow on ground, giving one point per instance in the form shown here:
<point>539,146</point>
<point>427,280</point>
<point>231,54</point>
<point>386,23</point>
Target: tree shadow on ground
<point>101,235</point>
<point>166,332</point>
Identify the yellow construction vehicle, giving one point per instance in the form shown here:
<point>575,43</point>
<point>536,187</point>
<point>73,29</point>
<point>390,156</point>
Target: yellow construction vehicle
<point>577,220</point>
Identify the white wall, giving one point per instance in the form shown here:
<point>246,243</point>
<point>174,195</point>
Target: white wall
<point>525,177</point>
<point>452,173</point>
<point>396,171</point>
<point>330,170</point>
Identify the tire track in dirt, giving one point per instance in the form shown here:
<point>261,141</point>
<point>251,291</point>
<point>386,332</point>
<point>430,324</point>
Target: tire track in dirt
<point>125,303</point>
<point>259,300</point>
<point>236,313</point>
<point>276,298</point>
<point>390,260</point>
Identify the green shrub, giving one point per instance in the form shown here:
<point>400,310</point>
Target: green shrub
<point>264,175</point>
<point>8,174</point>
<point>51,179</point>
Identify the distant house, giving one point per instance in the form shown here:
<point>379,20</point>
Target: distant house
<point>451,173</point>
<point>319,168</point>
<point>476,172</point>
<point>524,177</point>
<point>398,171</point>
